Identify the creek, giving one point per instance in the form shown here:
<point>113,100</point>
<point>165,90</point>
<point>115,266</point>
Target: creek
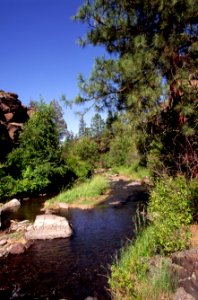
<point>72,268</point>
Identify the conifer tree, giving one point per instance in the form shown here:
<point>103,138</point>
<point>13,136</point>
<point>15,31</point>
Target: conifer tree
<point>152,66</point>
<point>82,127</point>
<point>97,126</point>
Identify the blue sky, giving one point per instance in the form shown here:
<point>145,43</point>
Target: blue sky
<point>39,55</point>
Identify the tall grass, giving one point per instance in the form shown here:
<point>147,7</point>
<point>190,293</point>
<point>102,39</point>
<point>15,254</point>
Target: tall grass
<point>131,275</point>
<point>88,190</point>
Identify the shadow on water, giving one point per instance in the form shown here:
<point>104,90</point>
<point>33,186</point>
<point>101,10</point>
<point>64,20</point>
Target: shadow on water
<point>77,267</point>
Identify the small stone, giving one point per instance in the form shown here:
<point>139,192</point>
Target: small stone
<point>194,276</point>
<point>26,198</point>
<point>63,205</point>
<point>181,294</point>
<point>17,248</point>
<point>3,242</point>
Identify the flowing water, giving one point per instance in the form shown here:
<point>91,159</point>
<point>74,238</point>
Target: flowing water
<point>72,268</point>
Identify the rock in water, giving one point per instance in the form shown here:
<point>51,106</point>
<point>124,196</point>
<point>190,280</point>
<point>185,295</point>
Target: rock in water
<point>17,248</point>
<point>49,227</point>
<point>11,206</point>
<point>5,210</point>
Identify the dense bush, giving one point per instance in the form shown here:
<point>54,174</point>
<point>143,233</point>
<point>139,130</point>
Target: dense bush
<point>80,168</point>
<point>7,186</point>
<point>36,165</point>
<point>170,209</point>
<point>81,156</point>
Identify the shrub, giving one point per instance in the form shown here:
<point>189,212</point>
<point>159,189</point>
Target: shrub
<point>87,150</point>
<point>170,209</point>
<point>82,169</point>
<point>7,186</point>
<point>193,186</point>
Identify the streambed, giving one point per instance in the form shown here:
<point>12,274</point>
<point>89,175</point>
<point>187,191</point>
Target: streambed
<point>72,268</point>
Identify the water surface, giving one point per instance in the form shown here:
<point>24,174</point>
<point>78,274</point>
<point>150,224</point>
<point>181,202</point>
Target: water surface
<point>71,268</point>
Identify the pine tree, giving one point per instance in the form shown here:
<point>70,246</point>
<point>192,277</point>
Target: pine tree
<point>152,69</point>
<point>97,126</point>
<point>82,127</point>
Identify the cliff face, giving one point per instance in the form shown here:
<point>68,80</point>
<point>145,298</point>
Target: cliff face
<point>12,117</point>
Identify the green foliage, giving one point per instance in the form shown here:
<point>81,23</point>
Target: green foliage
<point>82,127</point>
<point>90,189</point>
<point>119,150</point>
<point>39,140</point>
<point>152,73</point>
<point>122,145</point>
<point>97,126</point>
<point>134,171</point>
<point>7,186</point>
<point>131,277</point>
<point>145,50</point>
<point>130,274</point>
<point>193,187</point>
<point>170,209</point>
<point>43,177</point>
<point>80,168</point>
<point>81,156</point>
<point>36,164</point>
<point>87,150</point>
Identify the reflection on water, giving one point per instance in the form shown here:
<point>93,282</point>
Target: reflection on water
<point>71,268</point>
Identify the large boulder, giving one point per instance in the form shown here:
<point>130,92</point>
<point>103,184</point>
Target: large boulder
<point>11,206</point>
<point>49,226</point>
<point>5,210</point>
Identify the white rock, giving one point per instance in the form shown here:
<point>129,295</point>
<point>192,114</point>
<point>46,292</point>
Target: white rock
<point>12,205</point>
<point>3,242</point>
<point>49,227</point>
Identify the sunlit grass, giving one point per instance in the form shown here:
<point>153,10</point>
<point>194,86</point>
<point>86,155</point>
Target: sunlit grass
<point>84,193</point>
<point>131,276</point>
<point>134,172</point>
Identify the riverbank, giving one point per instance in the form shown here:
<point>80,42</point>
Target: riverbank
<point>105,190</point>
<point>149,268</point>
<point>142,264</point>
<point>12,240</point>
<point>77,267</point>
<point>102,190</point>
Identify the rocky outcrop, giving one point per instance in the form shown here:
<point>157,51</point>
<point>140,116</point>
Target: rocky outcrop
<point>12,117</point>
<point>184,268</point>
<point>49,227</point>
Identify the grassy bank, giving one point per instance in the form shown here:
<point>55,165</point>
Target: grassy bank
<point>142,271</point>
<point>134,172</point>
<point>86,193</point>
